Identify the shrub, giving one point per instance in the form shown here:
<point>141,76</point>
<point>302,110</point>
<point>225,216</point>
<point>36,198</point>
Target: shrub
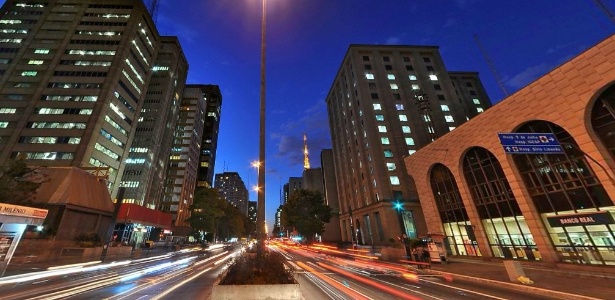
<point>251,269</point>
<point>88,239</point>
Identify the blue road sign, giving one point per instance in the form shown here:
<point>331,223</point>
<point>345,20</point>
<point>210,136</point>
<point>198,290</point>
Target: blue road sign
<point>530,143</point>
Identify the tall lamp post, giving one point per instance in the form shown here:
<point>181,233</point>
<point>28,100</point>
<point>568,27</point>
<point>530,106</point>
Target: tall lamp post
<point>260,216</point>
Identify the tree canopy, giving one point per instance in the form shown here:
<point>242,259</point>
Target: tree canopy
<point>306,211</point>
<point>215,216</point>
<point>18,182</point>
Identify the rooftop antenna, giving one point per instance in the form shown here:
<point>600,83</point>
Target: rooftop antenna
<point>491,66</point>
<point>153,9</point>
<point>306,159</point>
<point>605,9</point>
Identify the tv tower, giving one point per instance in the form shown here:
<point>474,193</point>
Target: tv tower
<point>306,159</point>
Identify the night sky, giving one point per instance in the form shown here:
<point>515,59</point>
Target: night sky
<point>307,40</point>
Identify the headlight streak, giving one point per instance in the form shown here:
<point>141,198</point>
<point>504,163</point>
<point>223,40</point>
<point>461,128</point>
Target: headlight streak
<point>74,265</point>
<point>155,268</point>
<point>77,290</point>
<point>327,289</point>
<point>180,284</point>
<point>467,291</point>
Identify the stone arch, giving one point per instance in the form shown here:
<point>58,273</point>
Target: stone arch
<point>565,187</point>
<point>455,220</point>
<point>507,232</point>
<point>602,118</point>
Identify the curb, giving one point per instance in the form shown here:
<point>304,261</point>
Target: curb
<point>526,288</point>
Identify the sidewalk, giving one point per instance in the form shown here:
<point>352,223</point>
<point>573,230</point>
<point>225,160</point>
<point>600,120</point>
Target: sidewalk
<point>557,281</point>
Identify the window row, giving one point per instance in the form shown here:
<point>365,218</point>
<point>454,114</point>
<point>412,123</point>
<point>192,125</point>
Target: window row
<point>94,42</point>
<point>93,23</point>
<point>49,140</point>
<point>71,85</point>
<point>111,138</point>
<point>62,111</point>
<point>98,32</point>
<point>45,155</point>
<point>88,52</point>
<point>56,125</point>
<point>69,98</point>
<point>80,74</point>
<point>85,63</point>
<point>106,151</point>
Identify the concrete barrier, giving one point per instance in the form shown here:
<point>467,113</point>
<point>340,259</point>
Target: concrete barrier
<point>256,292</point>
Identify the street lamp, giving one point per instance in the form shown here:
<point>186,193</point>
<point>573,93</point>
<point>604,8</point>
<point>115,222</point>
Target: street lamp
<point>398,206</point>
<point>260,215</point>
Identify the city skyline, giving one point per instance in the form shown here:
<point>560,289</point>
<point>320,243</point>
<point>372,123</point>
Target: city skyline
<point>308,39</point>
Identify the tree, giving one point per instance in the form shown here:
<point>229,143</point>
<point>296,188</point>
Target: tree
<point>206,211</point>
<point>18,182</point>
<point>306,211</point>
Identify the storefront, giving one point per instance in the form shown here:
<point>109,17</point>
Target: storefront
<point>13,222</point>
<point>137,225</point>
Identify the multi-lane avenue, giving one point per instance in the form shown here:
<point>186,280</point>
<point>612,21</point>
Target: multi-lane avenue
<point>322,272</point>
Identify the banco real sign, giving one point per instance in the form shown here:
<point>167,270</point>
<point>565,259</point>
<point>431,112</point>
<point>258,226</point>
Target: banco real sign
<point>597,218</point>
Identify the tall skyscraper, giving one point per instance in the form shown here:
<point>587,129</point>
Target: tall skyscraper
<point>149,153</point>
<point>209,144</point>
<point>384,104</point>
<point>232,188</point>
<point>73,81</point>
<point>184,158</point>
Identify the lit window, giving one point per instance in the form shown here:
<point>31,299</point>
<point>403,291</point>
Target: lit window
<point>391,77</point>
<point>10,21</point>
<point>377,106</point>
<point>410,141</point>
<point>380,118</point>
<point>5,110</point>
<point>369,76</point>
<point>444,107</point>
<point>412,77</point>
<point>385,141</point>
<point>399,106</point>
<point>394,86</point>
<point>410,152</point>
<point>4,124</point>
<point>13,41</point>
<point>29,73</point>
<point>433,77</point>
<point>451,128</point>
<point>35,62</point>
<point>449,118</point>
<point>382,128</point>
<point>106,151</point>
<point>388,153</point>
<point>391,166</point>
<point>415,87</point>
<point>403,118</point>
<point>405,129</point>
<point>394,180</point>
<point>476,101</point>
<point>480,109</point>
<point>135,161</point>
<point>41,51</point>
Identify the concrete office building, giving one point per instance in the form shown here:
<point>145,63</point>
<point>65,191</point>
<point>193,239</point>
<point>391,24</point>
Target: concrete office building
<point>232,188</point>
<point>183,162</point>
<point>209,144</point>
<point>73,77</point>
<point>148,156</point>
<point>385,103</point>
<point>480,200</point>
<point>332,229</point>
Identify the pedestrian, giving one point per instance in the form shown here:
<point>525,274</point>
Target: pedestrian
<point>425,256</point>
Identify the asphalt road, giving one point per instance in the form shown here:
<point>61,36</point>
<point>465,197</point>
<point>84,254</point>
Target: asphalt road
<point>191,275</point>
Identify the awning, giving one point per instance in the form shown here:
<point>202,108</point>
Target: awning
<point>133,213</point>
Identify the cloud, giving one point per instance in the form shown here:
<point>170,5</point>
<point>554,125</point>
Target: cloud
<point>528,75</point>
<point>393,40</point>
<point>314,122</point>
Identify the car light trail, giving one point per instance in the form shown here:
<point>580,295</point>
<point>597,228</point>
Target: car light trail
<point>75,265</point>
<point>348,291</point>
<point>370,282</point>
<point>180,284</point>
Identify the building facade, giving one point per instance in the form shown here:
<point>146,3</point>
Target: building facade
<point>209,144</point>
<point>183,162</point>
<point>74,77</point>
<point>332,229</point>
<point>385,103</point>
<point>148,155</point>
<point>232,188</point>
<point>550,207</point>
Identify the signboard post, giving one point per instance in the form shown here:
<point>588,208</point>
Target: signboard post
<point>530,143</point>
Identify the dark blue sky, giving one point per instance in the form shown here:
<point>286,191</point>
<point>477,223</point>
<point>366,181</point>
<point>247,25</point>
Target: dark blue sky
<point>307,39</point>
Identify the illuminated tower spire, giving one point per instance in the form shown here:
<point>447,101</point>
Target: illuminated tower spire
<point>306,159</point>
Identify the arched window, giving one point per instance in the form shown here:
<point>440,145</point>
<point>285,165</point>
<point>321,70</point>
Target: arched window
<point>568,195</point>
<point>603,118</point>
<point>455,220</point>
<point>504,224</point>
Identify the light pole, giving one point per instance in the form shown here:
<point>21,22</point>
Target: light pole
<point>260,216</point>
